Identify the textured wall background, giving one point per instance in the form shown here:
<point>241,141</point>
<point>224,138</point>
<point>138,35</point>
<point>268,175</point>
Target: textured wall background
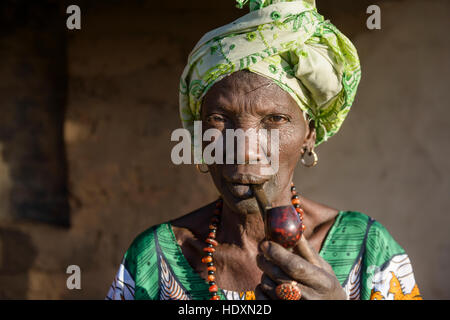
<point>389,160</point>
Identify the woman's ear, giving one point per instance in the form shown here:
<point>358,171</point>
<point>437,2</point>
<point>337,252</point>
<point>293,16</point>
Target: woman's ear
<point>310,139</point>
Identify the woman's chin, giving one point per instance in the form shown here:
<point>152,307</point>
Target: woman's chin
<point>241,203</point>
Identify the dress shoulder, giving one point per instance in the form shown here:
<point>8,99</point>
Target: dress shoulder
<point>378,240</point>
<point>138,274</point>
<point>385,271</point>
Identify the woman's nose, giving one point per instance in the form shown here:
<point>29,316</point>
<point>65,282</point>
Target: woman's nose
<point>246,149</point>
<point>249,151</point>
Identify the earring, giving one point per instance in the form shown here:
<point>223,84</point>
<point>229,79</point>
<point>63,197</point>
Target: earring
<point>200,170</point>
<point>311,154</point>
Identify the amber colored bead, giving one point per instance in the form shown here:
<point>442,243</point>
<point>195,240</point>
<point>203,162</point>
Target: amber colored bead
<point>303,227</point>
<point>211,277</point>
<point>295,201</point>
<point>212,235</point>
<point>208,249</point>
<point>212,227</point>
<point>299,210</point>
<point>211,268</point>
<point>212,241</point>
<point>213,288</point>
<point>215,298</point>
<point>206,259</point>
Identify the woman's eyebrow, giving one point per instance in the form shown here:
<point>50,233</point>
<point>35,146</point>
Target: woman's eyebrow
<point>214,107</point>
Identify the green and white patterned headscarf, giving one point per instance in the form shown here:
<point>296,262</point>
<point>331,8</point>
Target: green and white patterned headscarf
<point>288,42</point>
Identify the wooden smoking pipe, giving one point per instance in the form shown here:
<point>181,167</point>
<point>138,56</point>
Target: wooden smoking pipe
<point>281,224</point>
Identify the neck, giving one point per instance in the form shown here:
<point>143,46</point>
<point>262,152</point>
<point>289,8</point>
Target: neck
<point>240,229</point>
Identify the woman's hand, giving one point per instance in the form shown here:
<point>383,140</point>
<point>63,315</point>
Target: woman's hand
<point>314,275</point>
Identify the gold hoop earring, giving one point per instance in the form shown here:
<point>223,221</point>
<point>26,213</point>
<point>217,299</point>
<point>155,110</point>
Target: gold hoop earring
<point>315,159</point>
<point>200,170</point>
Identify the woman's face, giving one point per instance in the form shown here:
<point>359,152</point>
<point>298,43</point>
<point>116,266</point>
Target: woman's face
<point>245,100</point>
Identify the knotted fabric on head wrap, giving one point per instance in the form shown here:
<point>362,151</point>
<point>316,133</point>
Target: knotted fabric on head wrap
<point>288,42</point>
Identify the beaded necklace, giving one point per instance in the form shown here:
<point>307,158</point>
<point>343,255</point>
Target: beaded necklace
<point>212,243</point>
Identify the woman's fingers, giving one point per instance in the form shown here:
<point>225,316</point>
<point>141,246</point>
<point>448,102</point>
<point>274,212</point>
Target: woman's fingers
<point>282,265</point>
<point>272,270</point>
<point>268,286</point>
<point>259,294</point>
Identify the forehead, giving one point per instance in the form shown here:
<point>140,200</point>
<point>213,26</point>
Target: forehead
<point>247,91</point>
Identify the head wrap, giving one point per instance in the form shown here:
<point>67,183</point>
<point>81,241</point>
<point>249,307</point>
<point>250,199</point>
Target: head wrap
<point>288,42</point>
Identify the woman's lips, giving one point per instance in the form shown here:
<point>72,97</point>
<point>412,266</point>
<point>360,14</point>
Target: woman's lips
<point>239,183</point>
<point>241,191</point>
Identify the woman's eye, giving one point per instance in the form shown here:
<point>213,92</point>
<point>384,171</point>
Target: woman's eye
<point>215,118</point>
<point>278,119</point>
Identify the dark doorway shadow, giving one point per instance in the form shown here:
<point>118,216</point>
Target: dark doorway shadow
<point>17,255</point>
<point>33,90</point>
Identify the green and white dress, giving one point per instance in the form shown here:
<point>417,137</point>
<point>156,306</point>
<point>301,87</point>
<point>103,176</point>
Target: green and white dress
<point>367,261</point>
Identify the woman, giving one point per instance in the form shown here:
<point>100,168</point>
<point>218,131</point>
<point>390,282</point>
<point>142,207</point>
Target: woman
<point>279,67</point>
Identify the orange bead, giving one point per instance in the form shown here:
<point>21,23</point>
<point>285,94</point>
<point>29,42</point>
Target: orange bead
<point>299,210</point>
<point>211,277</point>
<point>208,249</point>
<point>212,227</point>
<point>211,268</point>
<point>215,298</point>
<point>212,235</point>
<point>215,220</point>
<point>295,201</point>
<point>213,288</point>
<point>303,227</point>
<point>212,241</point>
<point>207,259</point>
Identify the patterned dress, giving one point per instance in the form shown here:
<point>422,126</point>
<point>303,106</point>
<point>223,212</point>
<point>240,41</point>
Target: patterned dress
<point>367,261</point>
